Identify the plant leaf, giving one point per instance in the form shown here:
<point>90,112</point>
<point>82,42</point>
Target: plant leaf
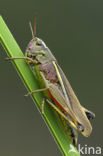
<point>31,83</point>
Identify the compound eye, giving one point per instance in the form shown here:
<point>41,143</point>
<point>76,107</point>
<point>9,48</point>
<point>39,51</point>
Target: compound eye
<point>38,44</point>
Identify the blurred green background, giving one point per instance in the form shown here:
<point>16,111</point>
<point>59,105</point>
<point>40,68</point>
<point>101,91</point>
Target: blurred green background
<point>73,30</point>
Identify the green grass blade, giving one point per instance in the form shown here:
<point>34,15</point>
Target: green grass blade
<point>31,83</point>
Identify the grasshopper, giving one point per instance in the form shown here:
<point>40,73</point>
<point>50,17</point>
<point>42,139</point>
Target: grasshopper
<point>57,90</point>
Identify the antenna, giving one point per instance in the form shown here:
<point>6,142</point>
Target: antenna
<point>31,28</point>
<point>35,24</point>
<point>33,36</point>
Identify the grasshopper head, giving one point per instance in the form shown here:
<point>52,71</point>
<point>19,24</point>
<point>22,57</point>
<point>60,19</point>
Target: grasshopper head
<point>35,47</point>
<point>38,51</point>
